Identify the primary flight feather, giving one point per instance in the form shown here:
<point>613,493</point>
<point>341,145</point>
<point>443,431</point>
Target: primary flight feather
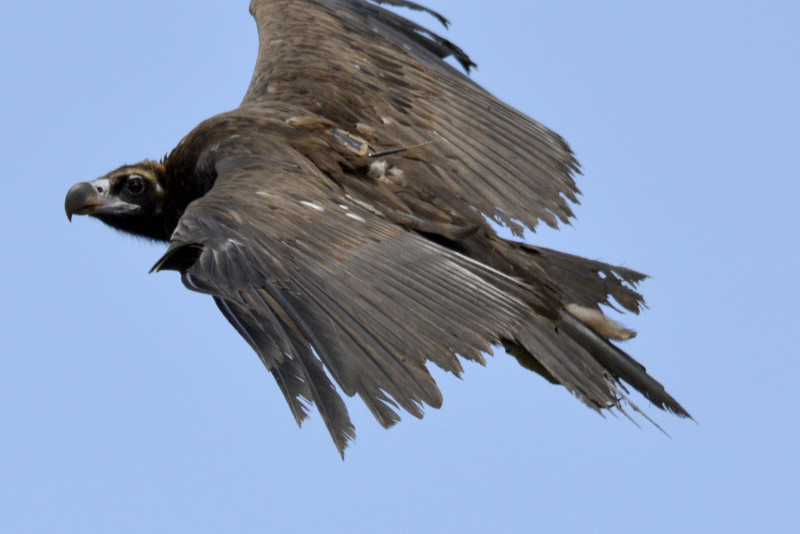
<point>338,217</point>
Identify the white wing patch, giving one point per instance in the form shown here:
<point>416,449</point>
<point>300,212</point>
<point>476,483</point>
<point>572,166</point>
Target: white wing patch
<point>359,218</point>
<point>311,205</point>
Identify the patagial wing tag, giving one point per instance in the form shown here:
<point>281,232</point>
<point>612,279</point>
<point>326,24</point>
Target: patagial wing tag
<point>353,143</point>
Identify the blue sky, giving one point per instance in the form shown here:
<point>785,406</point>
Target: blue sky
<point>127,403</point>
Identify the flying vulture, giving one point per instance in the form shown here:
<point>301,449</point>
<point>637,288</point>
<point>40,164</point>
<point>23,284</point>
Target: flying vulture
<point>339,217</point>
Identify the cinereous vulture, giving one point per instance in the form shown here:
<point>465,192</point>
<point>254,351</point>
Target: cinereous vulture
<point>339,219</point>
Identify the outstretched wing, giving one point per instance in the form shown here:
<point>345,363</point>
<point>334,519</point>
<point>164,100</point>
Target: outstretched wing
<point>371,72</point>
<point>330,293</point>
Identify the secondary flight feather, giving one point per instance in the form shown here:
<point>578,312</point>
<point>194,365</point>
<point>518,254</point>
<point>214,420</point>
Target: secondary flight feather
<point>338,217</point>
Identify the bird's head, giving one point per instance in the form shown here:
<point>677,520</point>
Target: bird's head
<point>130,198</point>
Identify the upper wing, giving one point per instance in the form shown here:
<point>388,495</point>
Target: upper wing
<point>322,286</point>
<point>368,70</point>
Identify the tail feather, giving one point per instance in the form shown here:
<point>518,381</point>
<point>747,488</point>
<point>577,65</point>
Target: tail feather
<point>619,364</point>
<point>582,285</point>
<point>586,282</point>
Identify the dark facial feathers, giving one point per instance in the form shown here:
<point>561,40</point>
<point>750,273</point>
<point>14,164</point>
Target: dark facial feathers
<point>130,198</point>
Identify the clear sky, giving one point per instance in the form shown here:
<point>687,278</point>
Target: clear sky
<point>128,404</point>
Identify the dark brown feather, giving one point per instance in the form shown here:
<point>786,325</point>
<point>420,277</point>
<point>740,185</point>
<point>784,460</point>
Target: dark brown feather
<point>350,270</point>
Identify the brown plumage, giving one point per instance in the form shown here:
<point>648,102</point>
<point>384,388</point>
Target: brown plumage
<point>339,219</point>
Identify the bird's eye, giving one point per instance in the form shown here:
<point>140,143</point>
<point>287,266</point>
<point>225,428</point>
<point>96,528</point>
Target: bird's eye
<point>134,185</point>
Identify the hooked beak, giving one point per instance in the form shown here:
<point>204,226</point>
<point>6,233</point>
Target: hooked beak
<point>93,198</point>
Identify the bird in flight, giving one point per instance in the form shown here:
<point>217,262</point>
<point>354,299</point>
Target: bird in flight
<point>340,219</point>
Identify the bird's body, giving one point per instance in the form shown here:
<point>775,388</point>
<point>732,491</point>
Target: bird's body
<point>338,218</point>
